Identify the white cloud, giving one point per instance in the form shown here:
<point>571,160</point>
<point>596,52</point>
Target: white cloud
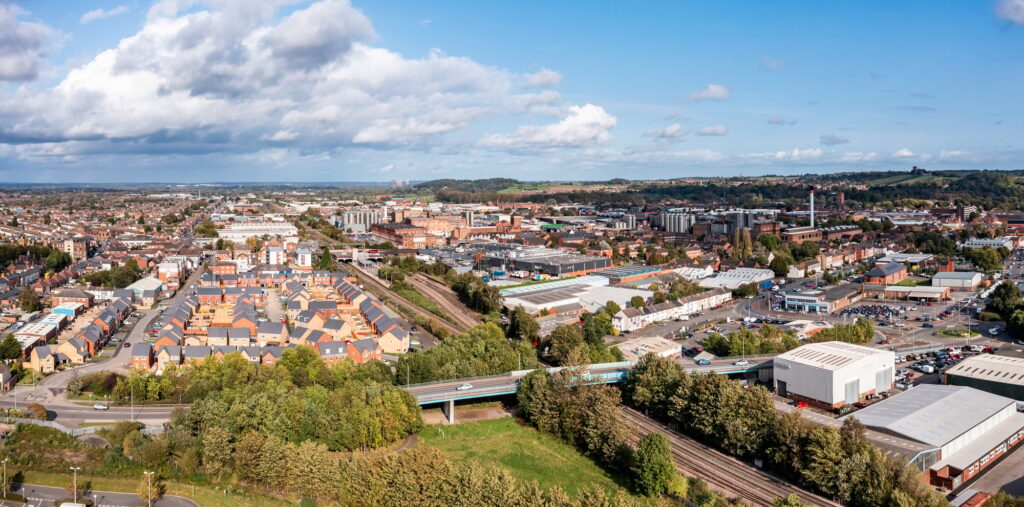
<point>778,120</point>
<point>229,75</point>
<point>424,23</point>
<point>713,130</point>
<point>673,132</point>
<point>953,154</point>
<point>771,64</point>
<point>22,44</point>
<point>902,153</point>
<point>98,14</point>
<point>794,155</point>
<point>544,78</point>
<point>858,157</point>
<point>832,140</point>
<point>583,125</point>
<point>1011,10</point>
<point>710,92</point>
<point>283,135</point>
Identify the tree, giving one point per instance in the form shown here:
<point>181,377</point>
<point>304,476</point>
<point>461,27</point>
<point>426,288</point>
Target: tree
<point>28,301</point>
<point>57,260</point>
<point>791,500</point>
<point>14,222</point>
<point>637,302</point>
<point>564,339</point>
<point>779,266</point>
<point>253,243</point>
<point>612,308</point>
<point>652,465</point>
<point>522,325</point>
<point>769,241</point>
<point>151,488</point>
<point>10,348</point>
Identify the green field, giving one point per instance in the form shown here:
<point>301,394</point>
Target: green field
<point>526,453</point>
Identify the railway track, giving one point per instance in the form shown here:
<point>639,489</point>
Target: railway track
<point>371,284</point>
<point>447,299</point>
<point>723,473</point>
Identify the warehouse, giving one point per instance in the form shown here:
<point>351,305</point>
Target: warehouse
<point>732,279</point>
<point>833,374</point>
<point>957,280</point>
<point>967,429</point>
<point>543,260</point>
<point>628,273</point>
<point>635,349</point>
<point>886,274</point>
<point>1002,375</point>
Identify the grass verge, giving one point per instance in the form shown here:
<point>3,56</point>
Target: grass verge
<point>526,453</point>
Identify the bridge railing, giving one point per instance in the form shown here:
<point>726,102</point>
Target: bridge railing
<point>75,432</point>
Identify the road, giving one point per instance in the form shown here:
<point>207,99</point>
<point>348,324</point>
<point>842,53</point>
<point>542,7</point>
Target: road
<point>722,473</point>
<point>51,390</point>
<point>40,496</point>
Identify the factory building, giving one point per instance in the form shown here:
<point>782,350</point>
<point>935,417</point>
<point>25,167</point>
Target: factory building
<point>965,429</point>
<point>957,280</point>
<point>1001,375</point>
<point>833,374</point>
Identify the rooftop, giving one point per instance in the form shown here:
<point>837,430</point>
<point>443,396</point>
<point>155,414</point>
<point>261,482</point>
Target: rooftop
<point>830,355</point>
<point>933,414</point>
<point>1003,369</point>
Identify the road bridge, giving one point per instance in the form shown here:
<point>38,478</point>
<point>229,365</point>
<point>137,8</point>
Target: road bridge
<point>447,392</point>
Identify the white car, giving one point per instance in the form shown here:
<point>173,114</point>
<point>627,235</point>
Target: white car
<point>99,406</point>
<point>741,362</point>
<point>464,387</point>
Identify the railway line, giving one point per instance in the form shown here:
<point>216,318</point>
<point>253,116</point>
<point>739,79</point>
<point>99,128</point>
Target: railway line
<point>447,299</point>
<point>723,473</point>
<point>373,285</point>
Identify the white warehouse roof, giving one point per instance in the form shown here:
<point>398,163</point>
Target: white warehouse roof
<point>933,414</point>
<point>830,355</point>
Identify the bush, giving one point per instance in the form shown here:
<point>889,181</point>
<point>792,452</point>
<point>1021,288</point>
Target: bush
<point>988,316</point>
<point>37,411</point>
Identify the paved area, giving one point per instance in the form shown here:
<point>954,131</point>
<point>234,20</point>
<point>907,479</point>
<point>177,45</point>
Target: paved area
<point>435,416</point>
<point>40,496</point>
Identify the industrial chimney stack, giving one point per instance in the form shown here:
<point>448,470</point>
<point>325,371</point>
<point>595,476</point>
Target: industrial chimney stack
<point>812,207</point>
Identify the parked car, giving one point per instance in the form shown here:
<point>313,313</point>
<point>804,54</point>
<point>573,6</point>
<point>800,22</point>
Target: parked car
<point>801,404</point>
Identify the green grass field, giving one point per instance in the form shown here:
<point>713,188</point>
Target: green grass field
<point>526,453</point>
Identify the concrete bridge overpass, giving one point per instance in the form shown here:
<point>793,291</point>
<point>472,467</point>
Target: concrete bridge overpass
<point>447,392</point>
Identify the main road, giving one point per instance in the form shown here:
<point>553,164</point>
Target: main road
<point>39,496</point>
<point>51,390</point>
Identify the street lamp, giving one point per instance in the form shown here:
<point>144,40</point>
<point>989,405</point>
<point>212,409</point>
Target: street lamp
<point>5,476</point>
<point>149,478</point>
<point>74,483</point>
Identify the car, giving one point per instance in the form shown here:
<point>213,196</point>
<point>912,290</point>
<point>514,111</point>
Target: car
<point>741,362</point>
<point>801,404</point>
<point>100,406</point>
<point>126,345</point>
<point>464,387</point>
<point>703,362</point>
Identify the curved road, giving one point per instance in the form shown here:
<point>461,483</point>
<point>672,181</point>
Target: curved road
<point>50,391</point>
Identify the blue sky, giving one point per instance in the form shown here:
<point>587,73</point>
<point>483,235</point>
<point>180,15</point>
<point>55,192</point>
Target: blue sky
<point>279,90</point>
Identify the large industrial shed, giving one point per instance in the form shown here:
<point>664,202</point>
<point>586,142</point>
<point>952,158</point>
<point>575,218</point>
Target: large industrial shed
<point>1000,375</point>
<point>967,429</point>
<point>959,280</point>
<point>833,374</point>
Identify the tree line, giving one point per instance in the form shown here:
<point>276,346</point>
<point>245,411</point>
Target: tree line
<point>742,421</point>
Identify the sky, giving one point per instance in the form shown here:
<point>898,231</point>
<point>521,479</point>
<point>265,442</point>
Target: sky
<point>192,91</point>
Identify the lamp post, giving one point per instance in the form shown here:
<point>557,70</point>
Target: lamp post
<point>5,477</point>
<point>74,482</point>
<point>149,478</point>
